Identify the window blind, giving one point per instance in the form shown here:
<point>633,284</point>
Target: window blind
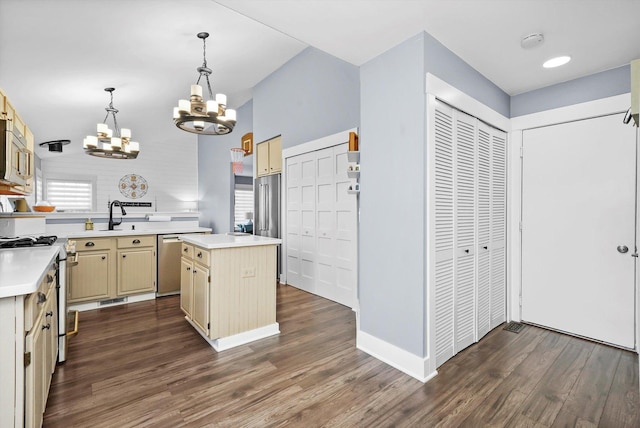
<point>69,195</point>
<point>243,204</point>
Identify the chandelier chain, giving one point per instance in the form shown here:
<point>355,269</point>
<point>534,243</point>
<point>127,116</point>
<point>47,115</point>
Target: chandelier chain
<point>112,110</point>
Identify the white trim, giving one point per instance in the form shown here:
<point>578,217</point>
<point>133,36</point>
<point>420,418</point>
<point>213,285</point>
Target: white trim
<point>319,144</point>
<point>406,362</point>
<point>430,211</point>
<point>224,343</point>
<point>618,103</point>
<point>458,99</point>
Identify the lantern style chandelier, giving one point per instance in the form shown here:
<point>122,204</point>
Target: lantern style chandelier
<point>196,115</point>
<point>107,145</point>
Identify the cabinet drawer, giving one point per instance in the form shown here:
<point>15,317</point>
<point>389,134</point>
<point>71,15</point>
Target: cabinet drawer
<point>89,244</point>
<point>201,255</point>
<point>187,250</point>
<point>136,241</point>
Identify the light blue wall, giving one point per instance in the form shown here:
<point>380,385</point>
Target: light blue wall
<point>600,85</point>
<point>392,198</point>
<point>392,144</point>
<point>215,178</point>
<point>311,96</point>
<point>447,66</point>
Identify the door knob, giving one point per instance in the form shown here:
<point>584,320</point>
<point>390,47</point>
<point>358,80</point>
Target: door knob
<point>623,249</point>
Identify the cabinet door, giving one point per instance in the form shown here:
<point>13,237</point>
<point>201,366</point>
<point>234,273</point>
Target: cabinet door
<point>34,374</point>
<point>89,279</point>
<point>136,271</point>
<point>262,159</point>
<point>200,314</point>
<point>51,323</point>
<point>275,156</point>
<point>186,286</point>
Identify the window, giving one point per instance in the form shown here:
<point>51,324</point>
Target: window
<point>243,196</point>
<point>70,194</point>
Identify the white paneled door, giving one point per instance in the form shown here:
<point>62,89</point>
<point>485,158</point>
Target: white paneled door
<point>321,225</point>
<point>578,228</point>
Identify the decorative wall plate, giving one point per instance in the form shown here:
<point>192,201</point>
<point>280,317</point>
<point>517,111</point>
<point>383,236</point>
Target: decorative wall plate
<point>133,186</point>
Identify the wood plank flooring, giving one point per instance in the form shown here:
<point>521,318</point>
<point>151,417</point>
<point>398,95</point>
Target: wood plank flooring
<point>142,365</point>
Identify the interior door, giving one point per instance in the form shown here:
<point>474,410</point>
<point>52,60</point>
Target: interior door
<point>577,207</point>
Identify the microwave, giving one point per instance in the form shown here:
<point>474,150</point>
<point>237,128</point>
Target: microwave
<point>16,160</point>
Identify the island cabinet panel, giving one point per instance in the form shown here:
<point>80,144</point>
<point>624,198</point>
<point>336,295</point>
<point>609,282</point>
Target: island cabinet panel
<point>186,286</point>
<point>200,310</point>
<point>243,289</point>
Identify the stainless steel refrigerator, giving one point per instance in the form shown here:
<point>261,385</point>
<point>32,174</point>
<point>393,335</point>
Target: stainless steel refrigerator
<point>267,209</point>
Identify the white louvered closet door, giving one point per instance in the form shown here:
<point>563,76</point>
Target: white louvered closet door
<point>325,242</point>
<point>468,193</point>
<point>465,230</point>
<point>484,230</point>
<point>498,227</point>
<point>444,221</point>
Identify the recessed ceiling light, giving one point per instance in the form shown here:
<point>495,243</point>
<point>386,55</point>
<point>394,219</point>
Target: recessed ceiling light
<point>557,61</point>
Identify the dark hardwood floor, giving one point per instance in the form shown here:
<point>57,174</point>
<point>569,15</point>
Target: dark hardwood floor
<point>142,365</point>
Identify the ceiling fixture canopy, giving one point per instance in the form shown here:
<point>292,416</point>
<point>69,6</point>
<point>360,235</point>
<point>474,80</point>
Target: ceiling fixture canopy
<point>107,145</point>
<point>55,145</point>
<point>195,114</point>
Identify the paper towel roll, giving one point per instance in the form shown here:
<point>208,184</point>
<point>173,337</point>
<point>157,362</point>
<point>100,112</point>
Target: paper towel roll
<point>159,218</point>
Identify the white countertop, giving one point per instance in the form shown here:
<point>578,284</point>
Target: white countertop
<point>22,269</point>
<point>128,232</point>
<point>228,241</point>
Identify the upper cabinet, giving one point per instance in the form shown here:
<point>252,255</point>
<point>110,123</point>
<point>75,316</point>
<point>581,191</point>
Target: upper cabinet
<point>269,157</point>
<point>16,151</point>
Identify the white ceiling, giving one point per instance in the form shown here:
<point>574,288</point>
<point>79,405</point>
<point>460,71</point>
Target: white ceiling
<point>57,56</point>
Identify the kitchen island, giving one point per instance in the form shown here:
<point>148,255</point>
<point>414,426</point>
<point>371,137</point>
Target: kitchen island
<point>228,287</point>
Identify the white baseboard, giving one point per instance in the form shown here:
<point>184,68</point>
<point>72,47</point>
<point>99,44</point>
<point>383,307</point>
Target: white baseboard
<point>406,362</point>
<point>224,343</point>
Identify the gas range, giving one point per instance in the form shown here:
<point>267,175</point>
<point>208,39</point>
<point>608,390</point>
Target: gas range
<point>27,241</point>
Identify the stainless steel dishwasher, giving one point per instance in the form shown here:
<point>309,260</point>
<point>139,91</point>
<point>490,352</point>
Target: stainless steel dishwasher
<point>168,264</point>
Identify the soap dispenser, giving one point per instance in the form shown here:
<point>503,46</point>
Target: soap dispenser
<point>88,225</point>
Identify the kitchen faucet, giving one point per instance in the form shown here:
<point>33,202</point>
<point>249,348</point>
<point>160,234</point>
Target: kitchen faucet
<point>111,222</point>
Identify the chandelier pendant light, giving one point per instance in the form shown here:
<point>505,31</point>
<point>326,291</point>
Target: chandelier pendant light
<point>196,115</point>
<point>107,145</point>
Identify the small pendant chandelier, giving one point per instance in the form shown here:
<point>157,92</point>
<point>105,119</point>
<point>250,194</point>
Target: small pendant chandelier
<point>194,114</point>
<point>107,145</point>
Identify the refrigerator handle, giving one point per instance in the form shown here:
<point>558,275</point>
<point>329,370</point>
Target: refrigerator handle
<point>267,209</point>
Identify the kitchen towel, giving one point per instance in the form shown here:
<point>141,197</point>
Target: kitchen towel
<point>158,217</point>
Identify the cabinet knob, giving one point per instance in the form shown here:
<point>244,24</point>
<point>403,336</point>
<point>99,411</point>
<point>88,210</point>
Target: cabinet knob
<point>200,254</point>
<point>188,268</point>
<point>195,271</point>
<point>41,297</point>
<point>124,256</point>
<point>136,241</point>
<point>49,314</point>
<point>185,249</point>
<point>104,257</point>
<point>89,244</point>
<point>49,279</point>
<point>485,247</point>
<point>46,327</point>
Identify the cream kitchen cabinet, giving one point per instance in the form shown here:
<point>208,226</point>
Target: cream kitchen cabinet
<point>269,157</point>
<point>109,268</point>
<point>136,264</point>
<point>41,347</point>
<point>194,286</point>
<point>92,276</point>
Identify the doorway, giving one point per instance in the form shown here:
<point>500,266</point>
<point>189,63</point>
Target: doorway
<point>578,225</point>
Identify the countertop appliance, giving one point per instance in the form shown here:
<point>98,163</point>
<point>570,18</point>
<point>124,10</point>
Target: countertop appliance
<point>267,209</point>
